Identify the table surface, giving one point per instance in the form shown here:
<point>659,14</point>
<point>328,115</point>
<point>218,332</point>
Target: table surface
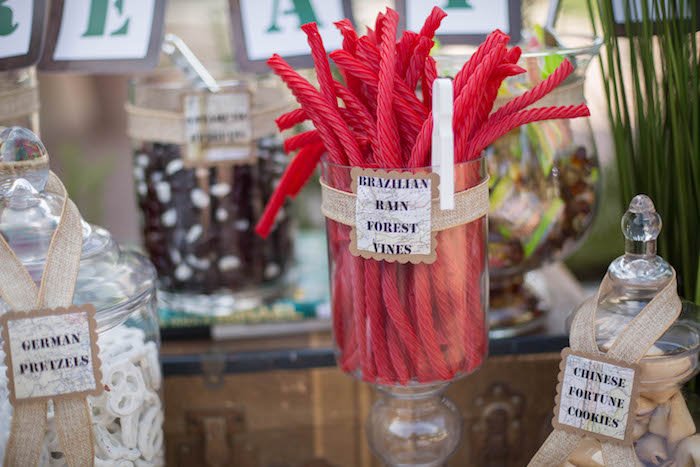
<point>308,344</point>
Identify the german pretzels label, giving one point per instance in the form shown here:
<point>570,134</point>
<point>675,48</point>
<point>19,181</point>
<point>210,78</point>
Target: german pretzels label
<point>51,353</point>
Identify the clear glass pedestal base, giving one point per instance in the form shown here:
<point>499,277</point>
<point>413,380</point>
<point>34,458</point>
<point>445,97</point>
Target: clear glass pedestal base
<point>414,426</point>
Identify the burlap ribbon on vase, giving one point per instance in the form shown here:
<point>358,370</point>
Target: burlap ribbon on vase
<point>18,103</point>
<point>631,345</point>
<point>470,205</point>
<point>18,290</point>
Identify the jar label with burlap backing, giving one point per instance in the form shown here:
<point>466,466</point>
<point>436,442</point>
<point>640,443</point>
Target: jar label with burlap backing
<point>393,215</point>
<point>51,353</point>
<point>218,128</point>
<point>596,397</point>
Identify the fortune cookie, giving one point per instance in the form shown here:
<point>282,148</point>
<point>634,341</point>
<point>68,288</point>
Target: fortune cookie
<point>640,427</point>
<point>644,407</point>
<point>664,369</point>
<point>655,351</point>
<point>687,452</point>
<point>658,396</point>
<point>680,422</point>
<point>651,449</point>
<point>587,454</point>
<point>658,424</point>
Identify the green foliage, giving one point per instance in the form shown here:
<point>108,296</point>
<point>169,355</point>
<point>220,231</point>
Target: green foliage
<point>652,86</point>
<point>84,181</point>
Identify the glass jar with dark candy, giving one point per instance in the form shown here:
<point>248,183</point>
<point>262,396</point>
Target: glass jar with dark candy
<point>204,163</point>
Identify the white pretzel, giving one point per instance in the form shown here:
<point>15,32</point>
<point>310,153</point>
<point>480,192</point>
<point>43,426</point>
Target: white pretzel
<point>150,365</point>
<point>130,429</point>
<point>151,398</point>
<point>157,462</point>
<point>45,456</point>
<point>121,342</point>
<point>112,463</point>
<point>127,349</point>
<point>115,428</point>
<point>111,445</point>
<point>59,461</point>
<point>51,437</point>
<point>98,410</point>
<point>151,432</point>
<point>52,447</point>
<point>126,388</point>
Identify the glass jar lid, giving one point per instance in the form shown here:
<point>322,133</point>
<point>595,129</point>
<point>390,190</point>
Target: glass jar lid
<point>109,278</point>
<point>637,277</point>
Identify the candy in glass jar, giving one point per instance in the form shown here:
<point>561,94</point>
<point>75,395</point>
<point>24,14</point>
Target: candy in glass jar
<point>125,415</point>
<point>204,163</point>
<point>544,185</point>
<point>636,319</point>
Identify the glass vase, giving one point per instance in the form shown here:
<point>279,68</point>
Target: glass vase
<point>544,186</point>
<point>199,216</point>
<point>411,329</point>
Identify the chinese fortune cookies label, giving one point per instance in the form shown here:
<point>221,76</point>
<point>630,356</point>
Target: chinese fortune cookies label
<point>595,397</point>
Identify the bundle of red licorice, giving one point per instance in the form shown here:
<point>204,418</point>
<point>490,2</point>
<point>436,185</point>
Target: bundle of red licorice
<point>400,323</point>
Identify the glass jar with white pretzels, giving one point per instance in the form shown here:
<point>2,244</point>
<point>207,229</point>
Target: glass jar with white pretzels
<point>126,418</point>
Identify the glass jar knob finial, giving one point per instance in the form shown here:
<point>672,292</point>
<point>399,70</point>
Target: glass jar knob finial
<point>641,225</point>
<point>24,162</point>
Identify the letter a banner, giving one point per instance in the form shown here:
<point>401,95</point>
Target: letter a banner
<point>468,21</point>
<point>265,27</point>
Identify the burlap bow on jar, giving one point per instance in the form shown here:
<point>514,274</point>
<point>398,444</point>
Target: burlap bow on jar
<point>630,346</point>
<point>21,294</point>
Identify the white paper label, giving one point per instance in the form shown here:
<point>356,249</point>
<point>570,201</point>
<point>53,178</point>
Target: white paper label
<point>393,213</point>
<point>463,16</point>
<point>51,353</point>
<point>104,30</point>
<point>596,396</point>
<point>15,27</point>
<point>274,26</point>
<point>218,126</point>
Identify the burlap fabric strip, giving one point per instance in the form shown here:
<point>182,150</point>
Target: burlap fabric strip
<point>20,293</point>
<point>631,345</point>
<point>470,205</point>
<point>18,103</point>
<point>146,124</point>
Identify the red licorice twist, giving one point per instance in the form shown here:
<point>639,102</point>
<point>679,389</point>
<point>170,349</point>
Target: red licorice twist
<point>403,323</point>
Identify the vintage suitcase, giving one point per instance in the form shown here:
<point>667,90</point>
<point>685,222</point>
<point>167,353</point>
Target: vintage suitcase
<point>293,408</point>
<point>281,401</point>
